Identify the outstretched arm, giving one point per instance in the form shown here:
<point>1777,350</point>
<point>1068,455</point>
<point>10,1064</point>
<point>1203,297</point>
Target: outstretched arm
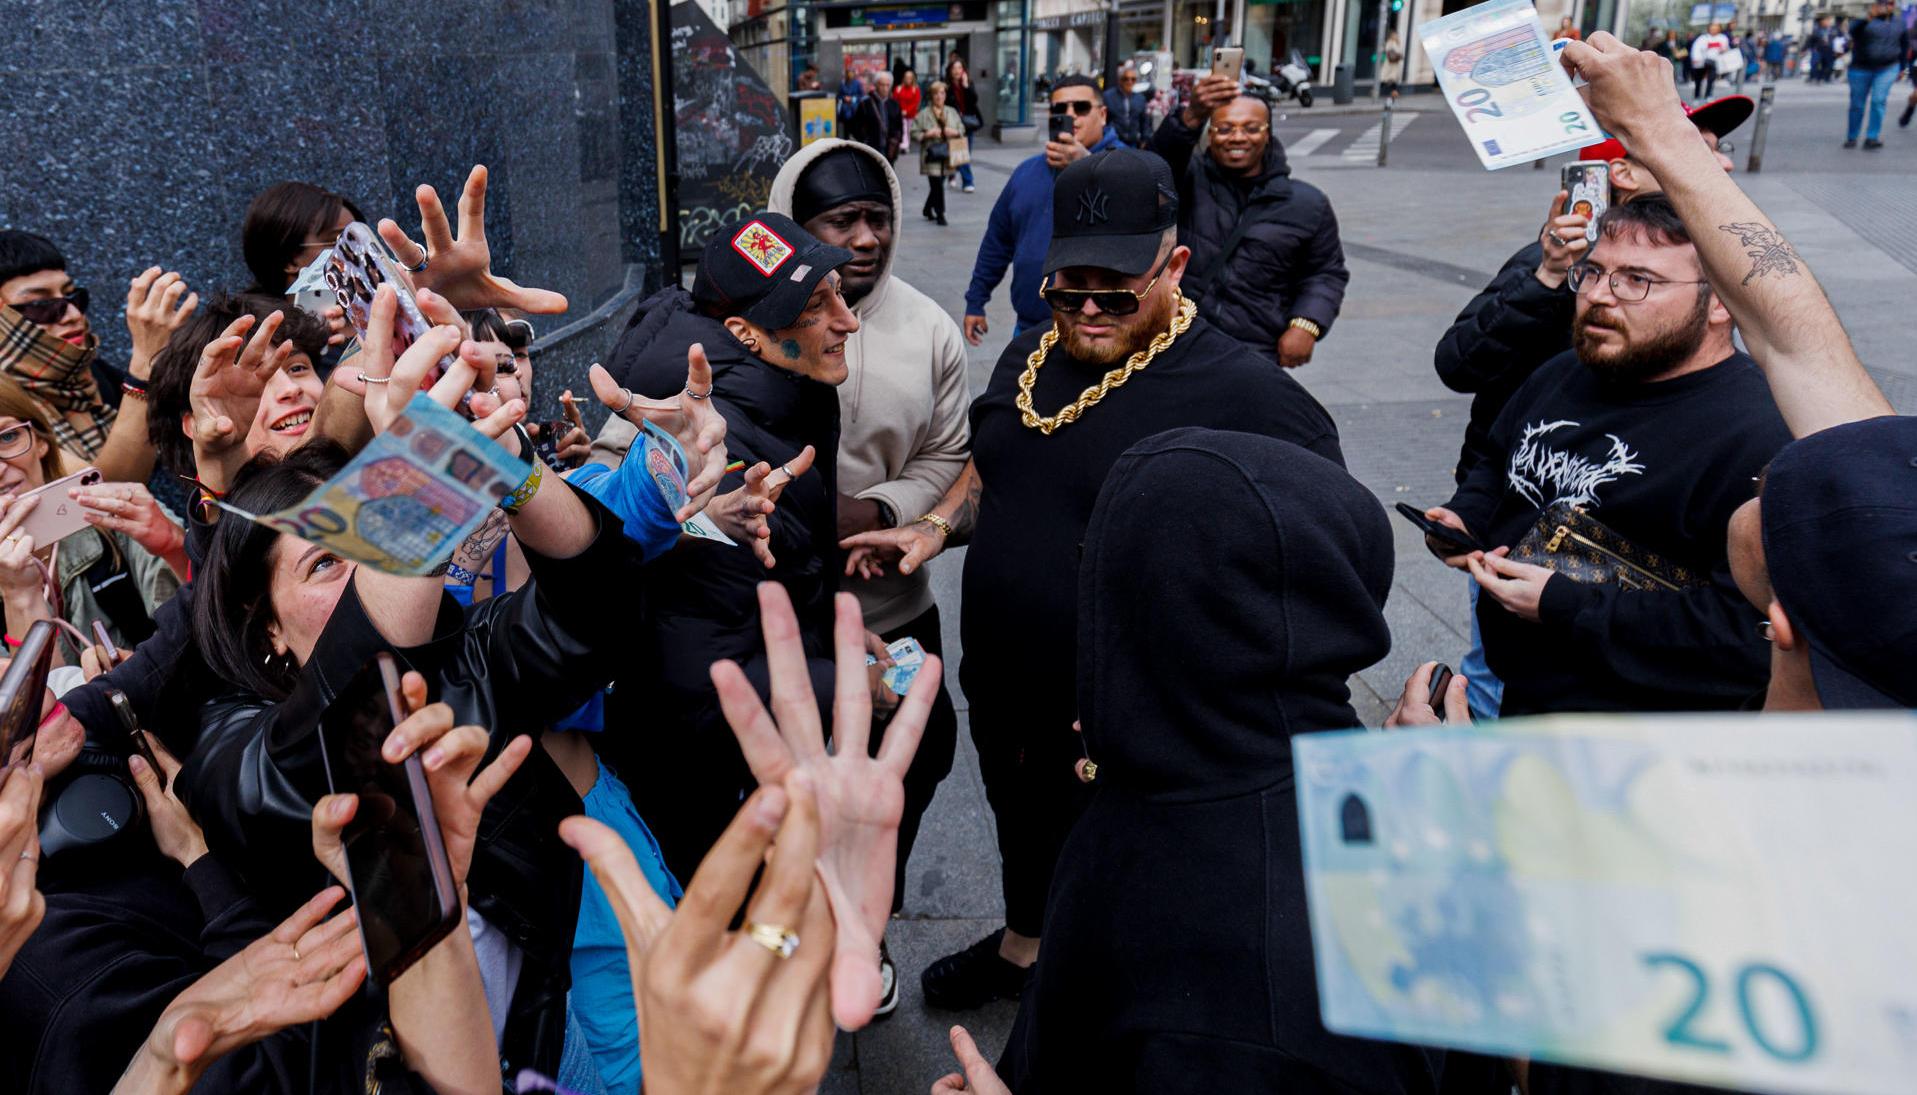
<point>1782,311</point>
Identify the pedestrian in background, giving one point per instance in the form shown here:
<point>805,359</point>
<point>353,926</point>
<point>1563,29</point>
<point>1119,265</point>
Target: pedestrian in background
<point>1126,106</point>
<point>958,84</point>
<point>877,121</point>
<point>1706,48</point>
<point>942,149</point>
<point>1774,57</point>
<point>911,97</point>
<point>1393,65</point>
<point>1566,30</point>
<point>1881,46</point>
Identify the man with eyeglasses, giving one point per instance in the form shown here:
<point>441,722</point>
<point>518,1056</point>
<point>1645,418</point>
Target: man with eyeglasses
<point>1655,428</point>
<point>1523,317</point>
<point>1020,227</point>
<point>1125,357</point>
<point>47,346</point>
<point>1267,265</point>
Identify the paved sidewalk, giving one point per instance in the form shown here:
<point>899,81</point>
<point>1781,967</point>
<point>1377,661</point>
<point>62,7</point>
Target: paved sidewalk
<point>1420,237</point>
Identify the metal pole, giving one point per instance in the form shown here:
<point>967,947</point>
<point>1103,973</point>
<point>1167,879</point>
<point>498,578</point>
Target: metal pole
<point>1761,129</point>
<point>1384,133</point>
<point>1378,41</point>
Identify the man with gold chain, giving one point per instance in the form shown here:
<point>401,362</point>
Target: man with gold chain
<point>1126,357</point>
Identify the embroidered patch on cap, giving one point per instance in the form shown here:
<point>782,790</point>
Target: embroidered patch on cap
<point>762,247</point>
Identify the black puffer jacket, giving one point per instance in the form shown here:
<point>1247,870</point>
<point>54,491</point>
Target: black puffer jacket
<point>514,664</point>
<point>706,606</point>
<point>1879,43</point>
<point>1289,265</point>
<point>1514,325</point>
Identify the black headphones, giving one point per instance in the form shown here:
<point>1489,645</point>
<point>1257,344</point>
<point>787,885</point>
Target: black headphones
<point>95,801</point>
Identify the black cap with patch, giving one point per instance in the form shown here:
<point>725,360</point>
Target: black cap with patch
<point>764,269</point>
<point>1110,211</point>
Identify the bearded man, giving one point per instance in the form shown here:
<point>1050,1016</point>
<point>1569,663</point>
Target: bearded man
<point>1637,444</point>
<point>1126,357</point>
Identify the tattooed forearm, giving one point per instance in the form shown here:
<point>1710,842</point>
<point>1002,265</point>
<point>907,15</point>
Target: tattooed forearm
<point>1769,251</point>
<point>478,547</point>
<point>967,513</point>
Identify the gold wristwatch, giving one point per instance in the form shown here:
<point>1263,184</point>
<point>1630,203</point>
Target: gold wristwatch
<point>1308,327</point>
<point>937,522</point>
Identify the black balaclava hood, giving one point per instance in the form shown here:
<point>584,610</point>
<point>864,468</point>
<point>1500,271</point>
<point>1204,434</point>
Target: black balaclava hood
<point>1230,585</point>
<point>840,176</point>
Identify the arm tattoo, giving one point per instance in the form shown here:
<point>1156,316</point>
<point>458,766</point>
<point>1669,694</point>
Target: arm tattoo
<point>1769,251</point>
<point>967,513</point>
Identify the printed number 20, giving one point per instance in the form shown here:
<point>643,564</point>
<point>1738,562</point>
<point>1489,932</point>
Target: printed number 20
<point>1680,1032</point>
<point>1478,102</point>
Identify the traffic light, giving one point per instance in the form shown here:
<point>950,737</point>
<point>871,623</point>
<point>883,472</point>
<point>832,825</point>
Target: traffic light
<point>1397,5</point>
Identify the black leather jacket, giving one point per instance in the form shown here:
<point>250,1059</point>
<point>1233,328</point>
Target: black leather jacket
<point>515,664</point>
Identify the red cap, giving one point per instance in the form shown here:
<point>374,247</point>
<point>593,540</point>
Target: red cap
<point>1719,116</point>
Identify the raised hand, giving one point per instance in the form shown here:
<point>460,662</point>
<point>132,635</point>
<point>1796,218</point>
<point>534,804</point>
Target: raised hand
<point>390,385</point>
<point>1630,90</point>
<point>21,904</point>
<point>690,418</point>
<point>861,798</point>
<point>303,970</point>
<point>224,394</point>
<point>154,310</point>
<point>460,269</point>
<point>1563,239</point>
<point>719,1011</point>
<point>130,509</point>
<point>744,514</point>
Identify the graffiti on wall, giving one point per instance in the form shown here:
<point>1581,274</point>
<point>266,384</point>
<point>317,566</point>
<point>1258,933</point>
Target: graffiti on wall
<point>732,130</point>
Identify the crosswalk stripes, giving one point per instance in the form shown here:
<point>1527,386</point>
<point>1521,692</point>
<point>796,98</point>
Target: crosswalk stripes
<point>1309,143</point>
<point>1365,148</point>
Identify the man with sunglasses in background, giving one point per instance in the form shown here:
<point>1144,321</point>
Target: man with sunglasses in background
<point>1653,428</point>
<point>1266,263</point>
<point>1020,227</point>
<point>1125,357</point>
<point>48,347</point>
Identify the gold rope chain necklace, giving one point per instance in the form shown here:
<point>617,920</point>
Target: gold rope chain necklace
<point>1181,320</point>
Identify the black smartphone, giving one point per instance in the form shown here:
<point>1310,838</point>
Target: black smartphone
<point>396,861</point>
<point>1063,126</point>
<point>135,740</point>
<point>1459,542</point>
<point>23,690</point>
<point>1440,680</point>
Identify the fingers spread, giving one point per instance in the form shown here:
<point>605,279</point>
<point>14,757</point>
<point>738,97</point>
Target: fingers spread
<point>766,753</point>
<point>908,722</point>
<point>641,914</point>
<point>720,883</point>
<point>793,702</point>
<point>852,699</point>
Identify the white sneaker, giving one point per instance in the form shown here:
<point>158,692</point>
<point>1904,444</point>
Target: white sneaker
<point>888,985</point>
<point>969,189</point>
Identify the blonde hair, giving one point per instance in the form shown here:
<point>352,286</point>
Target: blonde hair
<point>16,403</point>
<point>932,90</point>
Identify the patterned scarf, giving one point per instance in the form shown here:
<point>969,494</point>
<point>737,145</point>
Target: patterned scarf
<point>59,377</point>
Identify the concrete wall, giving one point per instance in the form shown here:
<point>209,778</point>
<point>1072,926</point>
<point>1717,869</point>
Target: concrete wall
<point>136,133</point>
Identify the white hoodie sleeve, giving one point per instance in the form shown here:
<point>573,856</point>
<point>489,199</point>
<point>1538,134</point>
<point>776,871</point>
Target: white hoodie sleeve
<point>931,470</point>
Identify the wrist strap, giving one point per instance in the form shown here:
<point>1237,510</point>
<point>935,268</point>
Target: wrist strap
<point>512,502</point>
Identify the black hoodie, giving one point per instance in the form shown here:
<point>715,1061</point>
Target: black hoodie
<point>1177,949</point>
<point>1289,264</point>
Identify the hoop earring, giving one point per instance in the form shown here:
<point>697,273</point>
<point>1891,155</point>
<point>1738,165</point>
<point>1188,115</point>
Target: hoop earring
<point>751,343</point>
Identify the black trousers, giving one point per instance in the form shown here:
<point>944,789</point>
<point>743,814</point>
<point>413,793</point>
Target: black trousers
<point>1703,81</point>
<point>935,205</point>
<point>933,762</point>
<point>1026,751</point>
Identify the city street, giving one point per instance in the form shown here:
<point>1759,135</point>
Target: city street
<point>1421,236</point>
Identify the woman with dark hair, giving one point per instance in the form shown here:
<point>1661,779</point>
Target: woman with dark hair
<point>287,225</point>
<point>284,623</point>
<point>964,99</point>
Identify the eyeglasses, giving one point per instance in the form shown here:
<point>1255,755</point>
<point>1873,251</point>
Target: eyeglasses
<point>47,310</point>
<point>1249,129</point>
<point>1627,287</point>
<point>15,440</point>
<point>1077,106</point>
<point>1114,302</point>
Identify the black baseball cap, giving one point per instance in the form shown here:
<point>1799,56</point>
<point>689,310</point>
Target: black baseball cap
<point>764,269</point>
<point>1839,515</point>
<point>1110,210</point>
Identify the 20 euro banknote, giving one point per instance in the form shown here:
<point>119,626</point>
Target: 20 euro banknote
<point>1711,899</point>
<point>1505,84</point>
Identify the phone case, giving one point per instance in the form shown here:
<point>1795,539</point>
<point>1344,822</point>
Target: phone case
<point>57,517</point>
<point>1228,61</point>
<point>358,266</point>
<point>22,688</point>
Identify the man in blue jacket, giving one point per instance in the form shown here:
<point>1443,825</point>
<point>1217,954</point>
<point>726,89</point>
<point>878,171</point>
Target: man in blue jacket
<point>1021,226</point>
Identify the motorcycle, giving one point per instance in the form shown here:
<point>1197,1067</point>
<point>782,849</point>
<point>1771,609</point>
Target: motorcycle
<point>1292,80</point>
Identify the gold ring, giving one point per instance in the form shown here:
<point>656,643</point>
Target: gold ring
<point>779,940</point>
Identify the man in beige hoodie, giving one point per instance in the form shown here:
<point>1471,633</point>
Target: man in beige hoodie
<point>903,431</point>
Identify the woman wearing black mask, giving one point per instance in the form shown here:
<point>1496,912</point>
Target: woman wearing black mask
<point>1177,948</point>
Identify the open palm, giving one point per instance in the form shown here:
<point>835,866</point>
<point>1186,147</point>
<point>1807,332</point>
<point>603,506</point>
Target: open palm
<point>224,393</point>
<point>861,797</point>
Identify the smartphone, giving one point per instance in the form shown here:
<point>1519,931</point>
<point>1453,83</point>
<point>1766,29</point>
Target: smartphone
<point>1228,61</point>
<point>1458,542</point>
<point>1064,128</point>
<point>135,740</point>
<point>1588,184</point>
<point>57,516</point>
<point>23,690</point>
<point>358,266</point>
<point>396,865</point>
<point>1440,680</point>
<point>104,639</point>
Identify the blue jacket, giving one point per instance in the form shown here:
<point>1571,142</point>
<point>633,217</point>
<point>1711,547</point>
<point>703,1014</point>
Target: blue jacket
<point>1019,233</point>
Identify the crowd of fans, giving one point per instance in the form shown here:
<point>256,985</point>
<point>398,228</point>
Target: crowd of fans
<point>684,881</point>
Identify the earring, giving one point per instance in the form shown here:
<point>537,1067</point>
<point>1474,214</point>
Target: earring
<point>752,344</point>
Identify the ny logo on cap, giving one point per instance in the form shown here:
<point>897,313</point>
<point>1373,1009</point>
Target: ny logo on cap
<point>1091,207</point>
<point>762,247</point>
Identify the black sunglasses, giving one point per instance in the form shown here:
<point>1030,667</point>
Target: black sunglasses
<point>1116,302</point>
<point>47,310</point>
<point>1077,106</point>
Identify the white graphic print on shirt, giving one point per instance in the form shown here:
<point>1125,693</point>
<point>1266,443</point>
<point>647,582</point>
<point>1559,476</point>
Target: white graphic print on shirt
<point>1547,475</point>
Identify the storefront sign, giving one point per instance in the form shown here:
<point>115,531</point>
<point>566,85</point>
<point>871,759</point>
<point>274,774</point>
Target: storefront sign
<point>818,119</point>
<point>902,18</point>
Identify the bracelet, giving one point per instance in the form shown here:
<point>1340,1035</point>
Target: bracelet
<point>136,389</point>
<point>13,643</point>
<point>512,502</point>
<point>937,522</point>
<point>1308,327</point>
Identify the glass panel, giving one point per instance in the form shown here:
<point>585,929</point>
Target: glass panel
<point>1273,28</point>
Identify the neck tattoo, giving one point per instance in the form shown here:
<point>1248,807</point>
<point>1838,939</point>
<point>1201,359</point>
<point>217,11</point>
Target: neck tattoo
<point>790,348</point>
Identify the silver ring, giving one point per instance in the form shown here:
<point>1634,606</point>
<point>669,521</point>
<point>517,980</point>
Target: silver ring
<point>364,379</point>
<point>26,855</point>
<point>628,404</point>
<point>707,394</point>
<point>422,265</point>
<point>1552,235</point>
<point>789,474</point>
